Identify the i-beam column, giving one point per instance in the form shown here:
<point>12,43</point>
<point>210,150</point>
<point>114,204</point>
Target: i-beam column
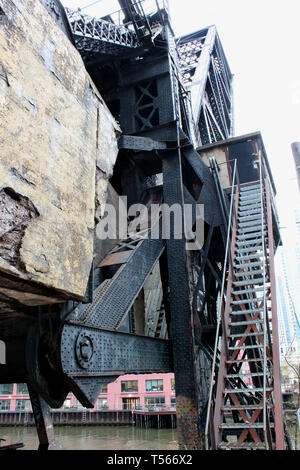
<point>181,327</point>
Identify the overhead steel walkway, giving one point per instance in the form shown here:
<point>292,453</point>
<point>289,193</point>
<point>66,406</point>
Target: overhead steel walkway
<point>93,35</point>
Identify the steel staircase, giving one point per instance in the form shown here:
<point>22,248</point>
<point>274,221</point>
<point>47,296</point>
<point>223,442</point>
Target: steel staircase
<point>245,410</point>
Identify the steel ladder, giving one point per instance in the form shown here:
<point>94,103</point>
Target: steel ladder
<point>243,414</point>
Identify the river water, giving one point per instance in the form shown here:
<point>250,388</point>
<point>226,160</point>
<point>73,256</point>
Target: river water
<point>101,437</point>
<point>97,437</point>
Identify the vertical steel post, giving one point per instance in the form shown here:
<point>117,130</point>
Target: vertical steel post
<point>181,320</point>
<point>278,411</point>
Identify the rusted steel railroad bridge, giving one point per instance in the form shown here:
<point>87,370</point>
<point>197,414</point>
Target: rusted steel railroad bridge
<point>97,108</point>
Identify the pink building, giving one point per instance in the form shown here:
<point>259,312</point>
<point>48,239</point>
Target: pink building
<point>128,392</point>
<point>149,391</point>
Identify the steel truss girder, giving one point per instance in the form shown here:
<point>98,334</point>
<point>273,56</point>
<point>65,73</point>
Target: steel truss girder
<point>109,307</point>
<point>208,78</point>
<point>89,355</point>
<point>140,143</point>
<point>94,35</point>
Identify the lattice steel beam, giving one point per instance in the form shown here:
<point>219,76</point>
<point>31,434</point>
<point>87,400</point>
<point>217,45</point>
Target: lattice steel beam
<point>207,77</point>
<point>97,35</point>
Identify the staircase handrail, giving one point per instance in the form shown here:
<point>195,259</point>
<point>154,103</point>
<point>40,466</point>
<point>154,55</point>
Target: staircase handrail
<point>227,257</point>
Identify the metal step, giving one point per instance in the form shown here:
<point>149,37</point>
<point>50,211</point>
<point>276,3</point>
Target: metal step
<point>248,207</point>
<point>252,223</point>
<point>256,218</point>
<point>250,235</point>
<point>241,376</point>
<point>249,282</point>
<point>249,202</point>
<point>242,347</point>
<point>245,301</point>
<point>241,254</point>
<point>242,446</point>
<point>250,217</point>
<point>246,323</point>
<point>248,265</point>
<point>241,361</point>
<point>249,249</point>
<point>252,185</point>
<point>251,244</point>
<point>250,188</point>
<point>251,214</point>
<point>235,315</point>
<point>251,211</point>
<point>241,335</point>
<point>244,407</point>
<point>249,273</point>
<point>243,425</point>
<point>245,335</point>
<point>246,243</point>
<point>251,192</point>
<point>243,312</point>
<point>247,390</point>
<point>255,194</point>
<point>250,291</point>
<point>256,191</point>
<point>248,257</point>
<point>251,241</point>
<point>248,230</point>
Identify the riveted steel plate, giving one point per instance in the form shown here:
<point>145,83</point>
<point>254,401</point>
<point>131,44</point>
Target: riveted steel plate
<point>113,299</point>
<point>114,353</point>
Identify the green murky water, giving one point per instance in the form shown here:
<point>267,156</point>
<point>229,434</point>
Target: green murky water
<point>97,437</point>
<point>103,437</point>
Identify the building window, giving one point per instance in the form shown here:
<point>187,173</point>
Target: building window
<point>153,403</point>
<point>67,403</point>
<point>129,386</point>
<point>172,384</point>
<point>154,385</point>
<point>130,403</point>
<point>6,389</point>
<point>104,389</point>
<point>22,389</point>
<point>102,404</point>
<point>173,402</point>
<point>23,405</point>
<point>4,405</point>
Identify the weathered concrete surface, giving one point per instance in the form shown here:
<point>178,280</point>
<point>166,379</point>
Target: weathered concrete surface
<point>58,147</point>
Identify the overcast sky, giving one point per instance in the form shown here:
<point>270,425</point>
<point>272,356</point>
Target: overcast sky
<point>261,42</point>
